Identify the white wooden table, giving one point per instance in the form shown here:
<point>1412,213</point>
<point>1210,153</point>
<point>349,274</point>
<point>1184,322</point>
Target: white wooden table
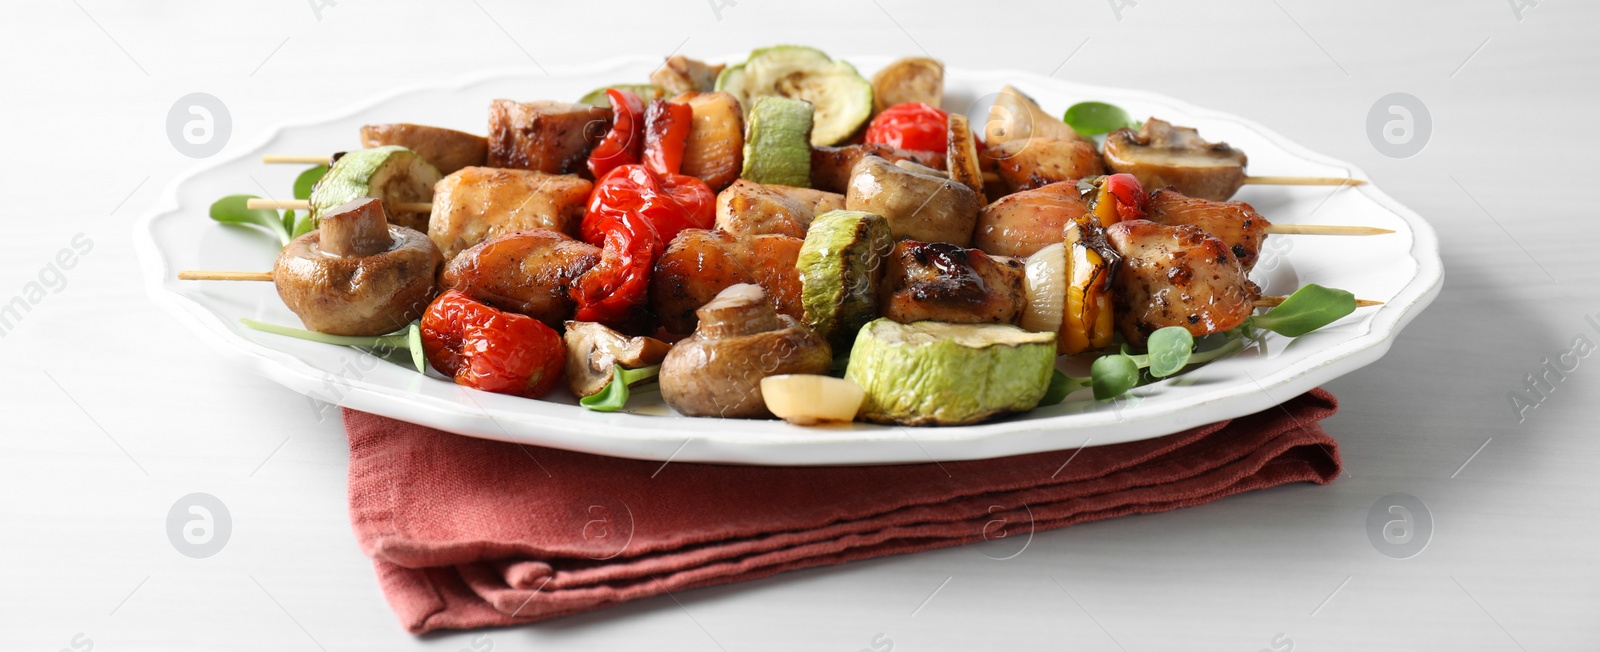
<point>112,413</point>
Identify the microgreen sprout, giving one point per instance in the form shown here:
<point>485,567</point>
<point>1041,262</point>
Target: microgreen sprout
<point>615,395</point>
<point>408,339</point>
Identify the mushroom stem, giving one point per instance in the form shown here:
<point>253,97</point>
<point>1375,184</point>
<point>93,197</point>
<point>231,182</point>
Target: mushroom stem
<point>356,228</point>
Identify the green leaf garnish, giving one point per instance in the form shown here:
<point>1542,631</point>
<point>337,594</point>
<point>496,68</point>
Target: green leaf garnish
<point>1169,350</point>
<point>1311,307</point>
<point>307,180</point>
<point>615,394</point>
<point>1092,118</point>
<point>409,339</point>
<point>1111,375</point>
<point>1062,385</point>
<point>232,210</point>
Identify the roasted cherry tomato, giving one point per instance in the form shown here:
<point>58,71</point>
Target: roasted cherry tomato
<point>666,134</point>
<point>621,145</point>
<point>486,348</point>
<point>911,125</point>
<point>1119,198</point>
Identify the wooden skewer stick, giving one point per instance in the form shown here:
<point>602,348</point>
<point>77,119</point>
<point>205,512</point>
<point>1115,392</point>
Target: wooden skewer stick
<point>291,158</point>
<point>1304,181</point>
<point>1280,229</point>
<point>991,177</point>
<point>1273,301</point>
<point>218,275</point>
<point>1325,229</point>
<point>303,205</point>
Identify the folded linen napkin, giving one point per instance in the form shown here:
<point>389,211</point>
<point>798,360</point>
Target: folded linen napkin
<point>469,533</point>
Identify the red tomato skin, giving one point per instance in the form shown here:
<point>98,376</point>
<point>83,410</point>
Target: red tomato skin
<point>486,348</point>
<point>911,125</point>
<point>1128,193</point>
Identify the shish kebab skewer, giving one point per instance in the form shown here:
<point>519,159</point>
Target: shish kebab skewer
<point>991,177</point>
<point>1278,229</point>
<point>1267,301</point>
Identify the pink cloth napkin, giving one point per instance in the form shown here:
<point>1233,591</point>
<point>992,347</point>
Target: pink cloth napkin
<point>471,533</point>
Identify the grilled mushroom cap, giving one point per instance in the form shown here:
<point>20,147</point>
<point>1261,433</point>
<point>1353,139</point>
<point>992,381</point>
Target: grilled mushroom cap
<point>356,274</point>
<point>717,372</point>
<point>1162,155</point>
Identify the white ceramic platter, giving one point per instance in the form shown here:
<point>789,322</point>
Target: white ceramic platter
<point>1402,269</point>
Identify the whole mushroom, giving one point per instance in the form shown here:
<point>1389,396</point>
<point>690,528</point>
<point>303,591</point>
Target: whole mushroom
<point>926,207</point>
<point>356,274</point>
<point>1163,155</point>
<point>717,371</point>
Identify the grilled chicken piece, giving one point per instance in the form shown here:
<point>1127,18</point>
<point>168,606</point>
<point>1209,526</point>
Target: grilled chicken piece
<point>527,272</point>
<point>714,152</point>
<point>545,136</point>
<point>748,208</point>
<point>918,206</point>
<point>698,264</point>
<point>944,282</point>
<point>1029,163</point>
<point>1176,276</point>
<point>680,74</point>
<point>475,204</point>
<point>831,166</point>
<point>1162,155</point>
<point>1022,223</point>
<point>447,149</point>
<point>1235,223</point>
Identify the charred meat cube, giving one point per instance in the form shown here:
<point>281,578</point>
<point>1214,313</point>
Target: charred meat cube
<point>1176,276</point>
<point>1022,223</point>
<point>526,272</point>
<point>1028,163</point>
<point>747,208</point>
<point>698,264</point>
<point>544,136</point>
<point>447,149</point>
<point>943,282</point>
<point>475,204</point>
<point>1235,223</point>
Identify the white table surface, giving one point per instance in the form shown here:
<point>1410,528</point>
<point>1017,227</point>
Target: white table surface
<point>112,412</point>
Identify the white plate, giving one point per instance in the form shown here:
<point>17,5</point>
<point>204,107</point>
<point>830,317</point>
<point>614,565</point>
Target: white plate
<point>1402,269</point>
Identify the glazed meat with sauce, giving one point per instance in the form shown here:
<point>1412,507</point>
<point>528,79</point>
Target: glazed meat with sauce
<point>831,166</point>
<point>544,136</point>
<point>698,264</point>
<point>476,204</point>
<point>1030,163</point>
<point>527,272</point>
<point>747,208</point>
<point>1176,276</point>
<point>944,282</point>
<point>1022,223</point>
<point>1235,223</point>
<point>447,149</point>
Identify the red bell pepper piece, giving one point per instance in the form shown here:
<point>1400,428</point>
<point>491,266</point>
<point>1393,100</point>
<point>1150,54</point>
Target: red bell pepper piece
<point>621,145</point>
<point>666,134</point>
<point>489,349</point>
<point>632,215</point>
